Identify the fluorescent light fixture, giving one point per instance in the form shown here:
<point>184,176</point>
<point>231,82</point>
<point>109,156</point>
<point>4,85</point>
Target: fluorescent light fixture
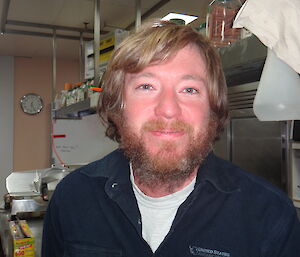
<point>187,18</point>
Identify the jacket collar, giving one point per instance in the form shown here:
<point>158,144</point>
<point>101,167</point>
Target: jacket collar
<point>115,167</point>
<point>220,173</point>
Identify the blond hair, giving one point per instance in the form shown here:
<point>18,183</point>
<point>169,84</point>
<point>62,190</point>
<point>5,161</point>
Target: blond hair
<point>155,42</point>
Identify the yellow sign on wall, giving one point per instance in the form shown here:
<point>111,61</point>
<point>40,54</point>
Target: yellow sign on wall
<point>106,48</point>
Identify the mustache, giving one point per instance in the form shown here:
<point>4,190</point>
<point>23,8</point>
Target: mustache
<point>176,125</point>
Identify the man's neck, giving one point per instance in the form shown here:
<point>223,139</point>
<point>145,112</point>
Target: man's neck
<point>161,190</point>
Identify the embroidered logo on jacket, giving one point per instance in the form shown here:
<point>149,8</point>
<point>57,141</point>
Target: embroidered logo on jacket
<point>203,252</point>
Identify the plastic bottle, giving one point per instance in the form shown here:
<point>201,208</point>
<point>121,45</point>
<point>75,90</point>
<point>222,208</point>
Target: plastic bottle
<point>57,101</point>
<point>64,94</point>
<point>70,99</point>
<point>278,93</point>
<point>79,92</point>
<point>219,20</point>
<point>202,28</point>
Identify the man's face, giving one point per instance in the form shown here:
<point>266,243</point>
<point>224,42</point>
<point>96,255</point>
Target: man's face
<point>167,109</point>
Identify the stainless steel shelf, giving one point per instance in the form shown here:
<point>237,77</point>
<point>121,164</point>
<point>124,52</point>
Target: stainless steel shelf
<point>243,61</point>
<point>75,111</point>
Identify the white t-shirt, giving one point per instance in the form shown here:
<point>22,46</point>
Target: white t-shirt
<point>158,213</point>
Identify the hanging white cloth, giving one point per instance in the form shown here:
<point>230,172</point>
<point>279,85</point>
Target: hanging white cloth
<point>276,24</point>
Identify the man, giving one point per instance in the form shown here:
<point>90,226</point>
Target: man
<point>164,193</point>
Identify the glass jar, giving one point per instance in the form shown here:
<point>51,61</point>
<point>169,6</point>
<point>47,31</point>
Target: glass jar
<point>219,20</point>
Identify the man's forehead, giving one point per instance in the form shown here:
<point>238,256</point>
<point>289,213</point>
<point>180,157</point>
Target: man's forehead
<point>188,54</point>
<point>147,74</point>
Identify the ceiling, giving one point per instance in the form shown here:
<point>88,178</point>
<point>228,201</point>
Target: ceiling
<point>75,14</point>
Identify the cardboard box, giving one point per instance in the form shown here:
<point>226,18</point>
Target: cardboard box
<point>23,239</point>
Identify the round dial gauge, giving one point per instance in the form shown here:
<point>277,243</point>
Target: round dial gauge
<point>31,103</point>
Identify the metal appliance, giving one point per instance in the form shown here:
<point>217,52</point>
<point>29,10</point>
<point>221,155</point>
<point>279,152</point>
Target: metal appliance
<point>29,191</point>
<point>258,147</point>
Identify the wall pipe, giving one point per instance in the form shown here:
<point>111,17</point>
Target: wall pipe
<point>47,26</point>
<point>43,34</point>
<point>53,94</point>
<point>153,9</point>
<point>81,58</point>
<point>138,15</point>
<point>96,41</point>
<point>4,14</point>
<point>54,47</point>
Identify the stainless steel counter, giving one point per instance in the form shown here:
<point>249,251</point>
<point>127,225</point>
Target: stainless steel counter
<point>36,226</point>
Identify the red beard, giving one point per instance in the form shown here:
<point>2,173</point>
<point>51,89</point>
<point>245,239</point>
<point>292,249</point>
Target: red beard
<point>166,167</point>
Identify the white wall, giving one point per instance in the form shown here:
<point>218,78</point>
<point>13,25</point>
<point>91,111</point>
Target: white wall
<point>6,120</point>
<point>32,132</point>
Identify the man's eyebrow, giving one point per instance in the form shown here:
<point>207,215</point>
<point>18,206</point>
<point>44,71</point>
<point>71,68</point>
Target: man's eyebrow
<point>143,74</point>
<point>184,77</point>
<point>193,77</point>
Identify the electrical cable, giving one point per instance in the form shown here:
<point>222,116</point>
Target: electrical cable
<point>54,148</point>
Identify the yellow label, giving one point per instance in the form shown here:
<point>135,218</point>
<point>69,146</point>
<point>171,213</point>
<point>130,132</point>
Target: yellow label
<point>106,48</point>
<point>108,42</point>
<point>23,240</point>
<point>24,247</point>
<point>106,56</point>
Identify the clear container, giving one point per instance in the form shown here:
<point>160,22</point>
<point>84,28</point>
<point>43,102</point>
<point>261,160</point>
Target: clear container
<point>219,20</point>
<point>63,98</point>
<point>202,29</point>
<point>90,83</point>
<point>57,101</point>
<point>71,97</point>
<point>278,94</point>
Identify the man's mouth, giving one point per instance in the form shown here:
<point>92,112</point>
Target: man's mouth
<point>167,133</point>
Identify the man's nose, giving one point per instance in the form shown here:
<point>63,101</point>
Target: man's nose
<point>168,105</point>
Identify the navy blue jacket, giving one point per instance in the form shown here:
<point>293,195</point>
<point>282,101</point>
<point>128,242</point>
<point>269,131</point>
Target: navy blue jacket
<point>230,213</point>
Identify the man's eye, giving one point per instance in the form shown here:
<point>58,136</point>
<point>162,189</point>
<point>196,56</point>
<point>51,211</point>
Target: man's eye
<point>190,91</point>
<point>145,87</point>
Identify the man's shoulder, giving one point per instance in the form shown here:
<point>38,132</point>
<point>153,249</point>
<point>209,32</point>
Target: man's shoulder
<point>103,168</point>
<point>249,184</point>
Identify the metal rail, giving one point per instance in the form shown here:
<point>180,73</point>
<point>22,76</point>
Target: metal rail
<point>149,12</point>
<point>138,15</point>
<point>54,48</point>
<point>81,58</point>
<point>96,41</point>
<point>48,26</point>
<point>4,14</point>
<point>43,34</point>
